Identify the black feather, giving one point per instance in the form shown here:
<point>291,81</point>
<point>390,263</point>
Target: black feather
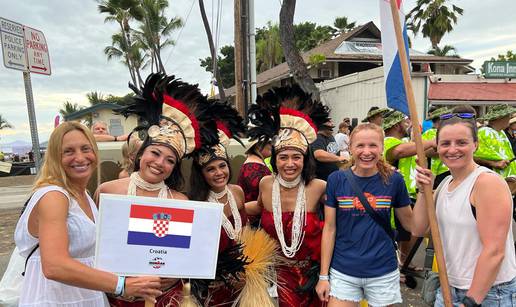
<point>230,266</point>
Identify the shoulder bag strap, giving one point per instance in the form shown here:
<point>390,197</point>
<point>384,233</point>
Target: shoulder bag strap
<point>35,247</point>
<point>372,213</point>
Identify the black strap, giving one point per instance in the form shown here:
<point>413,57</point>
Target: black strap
<point>27,260</point>
<point>35,247</point>
<point>386,226</point>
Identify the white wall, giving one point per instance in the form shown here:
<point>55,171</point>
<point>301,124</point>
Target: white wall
<point>353,95</point>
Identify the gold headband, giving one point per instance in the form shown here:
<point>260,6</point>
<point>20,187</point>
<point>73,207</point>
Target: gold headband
<point>290,138</point>
<point>218,151</point>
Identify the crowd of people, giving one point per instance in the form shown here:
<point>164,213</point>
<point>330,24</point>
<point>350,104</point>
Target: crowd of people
<point>330,203</point>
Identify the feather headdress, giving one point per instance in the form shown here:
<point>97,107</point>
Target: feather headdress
<point>229,125</point>
<point>173,113</point>
<point>287,116</point>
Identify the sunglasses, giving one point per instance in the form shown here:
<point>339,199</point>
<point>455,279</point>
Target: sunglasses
<point>459,115</point>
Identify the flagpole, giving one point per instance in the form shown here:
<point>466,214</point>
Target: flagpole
<point>416,128</point>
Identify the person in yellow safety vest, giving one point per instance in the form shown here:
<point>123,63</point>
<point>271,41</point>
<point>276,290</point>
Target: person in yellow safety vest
<point>401,153</point>
<point>438,168</point>
<point>494,148</point>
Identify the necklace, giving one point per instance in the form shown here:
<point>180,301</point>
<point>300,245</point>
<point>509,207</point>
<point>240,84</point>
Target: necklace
<point>289,184</point>
<point>298,220</point>
<point>137,181</point>
<point>232,232</point>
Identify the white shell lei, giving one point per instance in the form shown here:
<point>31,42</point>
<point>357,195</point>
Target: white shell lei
<point>298,220</point>
<point>137,181</point>
<point>232,232</point>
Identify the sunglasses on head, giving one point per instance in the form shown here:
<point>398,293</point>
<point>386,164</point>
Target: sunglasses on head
<point>459,115</point>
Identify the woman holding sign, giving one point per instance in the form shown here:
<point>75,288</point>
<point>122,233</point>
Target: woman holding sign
<point>289,199</point>
<point>473,208</point>
<point>56,231</point>
<point>174,114</point>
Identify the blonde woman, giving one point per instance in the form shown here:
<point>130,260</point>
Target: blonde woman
<point>358,258</point>
<point>57,231</point>
<point>129,151</point>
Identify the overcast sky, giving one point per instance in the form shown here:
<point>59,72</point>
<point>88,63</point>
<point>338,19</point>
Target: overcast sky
<point>76,35</point>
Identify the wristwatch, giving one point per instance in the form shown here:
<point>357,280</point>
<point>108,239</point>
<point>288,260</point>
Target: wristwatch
<point>470,302</point>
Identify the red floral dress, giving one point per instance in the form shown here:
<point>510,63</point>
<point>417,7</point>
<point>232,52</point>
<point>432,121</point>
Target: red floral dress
<point>249,179</point>
<point>221,296</point>
<point>291,276</point>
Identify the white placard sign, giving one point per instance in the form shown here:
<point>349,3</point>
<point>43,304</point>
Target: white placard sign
<point>36,47</point>
<point>13,44</point>
<point>161,237</point>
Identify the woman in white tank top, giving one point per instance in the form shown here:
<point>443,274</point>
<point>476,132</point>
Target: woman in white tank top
<point>474,211</point>
<point>57,231</point>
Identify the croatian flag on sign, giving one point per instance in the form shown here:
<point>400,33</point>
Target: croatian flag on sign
<point>394,88</point>
<point>159,226</point>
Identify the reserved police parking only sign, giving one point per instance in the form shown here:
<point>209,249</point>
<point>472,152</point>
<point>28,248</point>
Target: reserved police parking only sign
<point>160,237</point>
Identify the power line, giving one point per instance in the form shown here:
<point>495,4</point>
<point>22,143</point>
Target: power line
<point>180,32</point>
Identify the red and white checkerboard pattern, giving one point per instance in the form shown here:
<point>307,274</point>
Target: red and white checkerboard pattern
<point>160,228</point>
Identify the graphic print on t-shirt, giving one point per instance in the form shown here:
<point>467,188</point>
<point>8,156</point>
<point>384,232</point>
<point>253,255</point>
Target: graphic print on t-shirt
<point>353,204</point>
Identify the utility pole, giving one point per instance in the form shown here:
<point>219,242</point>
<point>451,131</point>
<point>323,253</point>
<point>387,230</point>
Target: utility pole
<point>239,94</point>
<point>246,57</point>
<point>252,51</point>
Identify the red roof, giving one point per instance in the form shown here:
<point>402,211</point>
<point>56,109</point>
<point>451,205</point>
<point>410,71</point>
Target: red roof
<point>472,91</point>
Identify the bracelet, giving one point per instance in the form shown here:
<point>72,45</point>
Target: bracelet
<point>120,286</point>
<point>324,277</point>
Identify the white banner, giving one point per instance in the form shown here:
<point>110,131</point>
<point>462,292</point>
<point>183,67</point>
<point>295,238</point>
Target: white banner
<point>160,237</point>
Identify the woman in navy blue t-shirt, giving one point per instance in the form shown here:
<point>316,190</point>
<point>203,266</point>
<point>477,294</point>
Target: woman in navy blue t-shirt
<point>358,259</point>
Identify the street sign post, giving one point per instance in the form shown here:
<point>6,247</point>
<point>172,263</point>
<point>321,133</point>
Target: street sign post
<point>38,58</point>
<point>25,49</point>
<point>13,45</point>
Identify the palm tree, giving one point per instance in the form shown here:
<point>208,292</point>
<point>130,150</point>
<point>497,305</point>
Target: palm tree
<point>122,12</point>
<point>434,18</point>
<point>342,25</point>
<point>154,30</point>
<point>444,51</point>
<point>4,124</point>
<point>130,55</point>
<point>69,108</point>
<point>95,98</point>
<point>268,48</point>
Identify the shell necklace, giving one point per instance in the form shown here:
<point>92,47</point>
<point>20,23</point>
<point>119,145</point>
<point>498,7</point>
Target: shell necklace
<point>299,218</point>
<point>137,181</point>
<point>232,232</point>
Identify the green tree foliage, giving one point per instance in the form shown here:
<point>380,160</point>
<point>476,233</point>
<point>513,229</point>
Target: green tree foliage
<point>342,25</point>
<point>268,47</point>
<point>69,108</point>
<point>445,51</point>
<point>4,124</point>
<point>226,64</point>
<point>508,56</point>
<point>139,45</point>
<point>155,30</point>
<point>122,46</point>
<point>434,18</point>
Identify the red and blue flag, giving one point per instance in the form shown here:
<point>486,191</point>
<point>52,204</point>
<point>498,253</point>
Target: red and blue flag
<point>159,226</point>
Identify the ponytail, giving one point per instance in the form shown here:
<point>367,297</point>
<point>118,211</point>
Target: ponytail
<point>385,170</point>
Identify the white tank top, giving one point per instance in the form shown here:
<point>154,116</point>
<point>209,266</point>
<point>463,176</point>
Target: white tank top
<point>460,237</point>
